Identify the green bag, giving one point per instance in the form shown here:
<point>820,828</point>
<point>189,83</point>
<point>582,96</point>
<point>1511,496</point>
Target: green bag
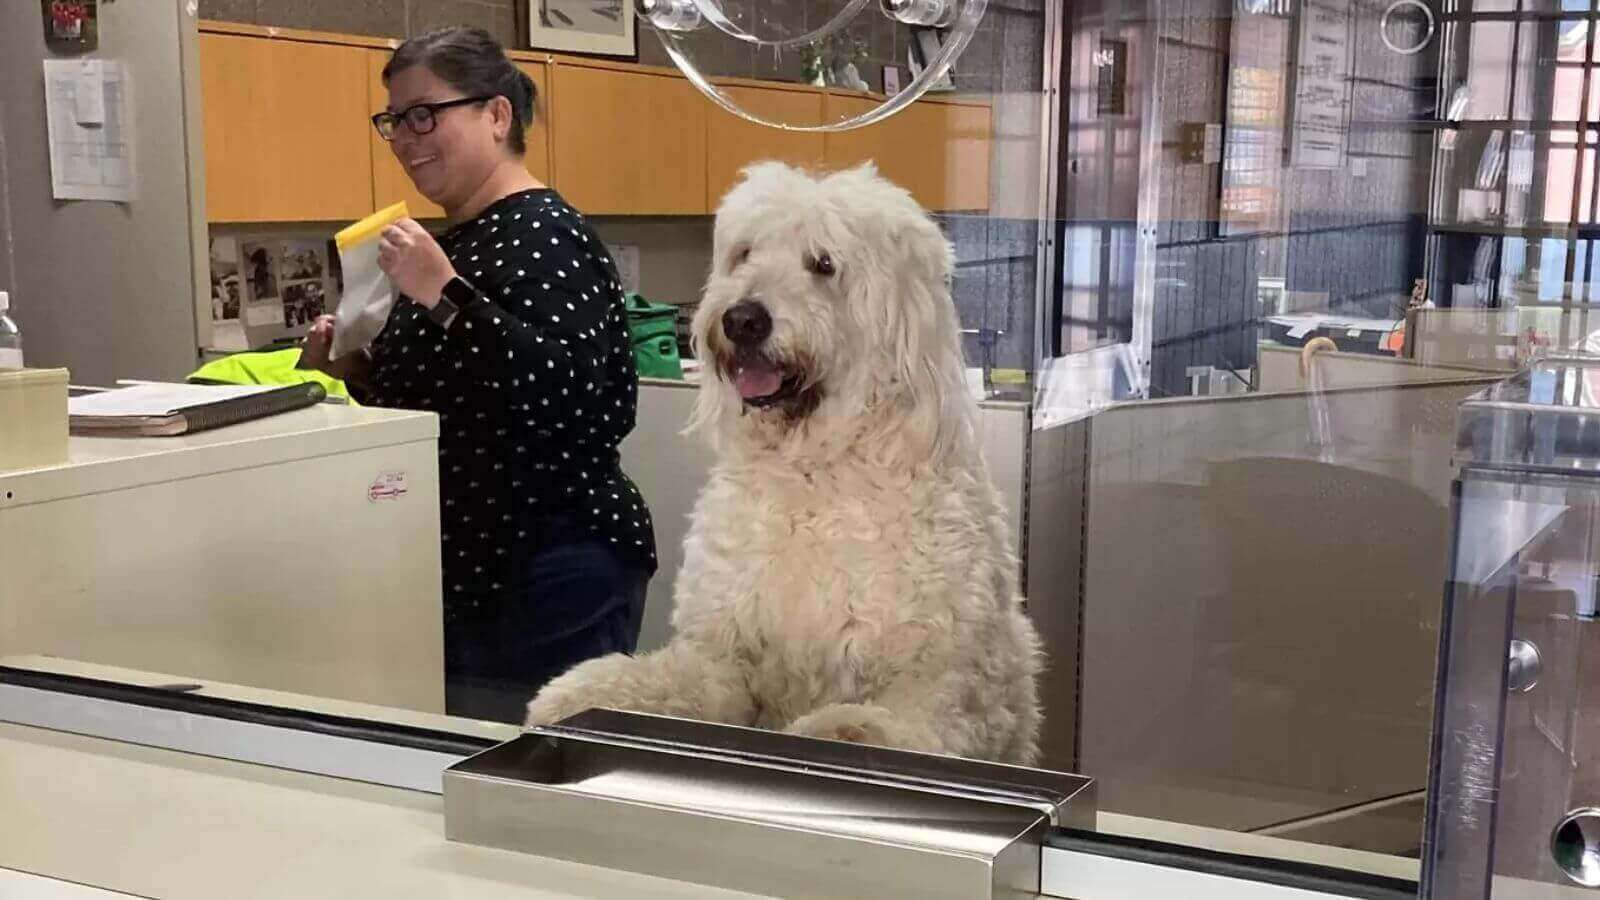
<point>275,367</point>
<point>654,327</point>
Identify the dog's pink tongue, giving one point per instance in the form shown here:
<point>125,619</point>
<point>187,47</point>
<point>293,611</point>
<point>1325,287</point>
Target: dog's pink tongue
<point>757,379</point>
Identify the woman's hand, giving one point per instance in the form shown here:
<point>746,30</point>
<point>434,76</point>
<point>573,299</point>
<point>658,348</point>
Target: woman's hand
<point>314,352</point>
<point>318,344</point>
<point>414,261</point>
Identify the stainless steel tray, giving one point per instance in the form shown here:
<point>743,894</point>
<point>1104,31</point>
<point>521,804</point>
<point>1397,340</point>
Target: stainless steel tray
<point>763,812</point>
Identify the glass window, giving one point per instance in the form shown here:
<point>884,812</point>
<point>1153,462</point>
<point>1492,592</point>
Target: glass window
<point>1223,272</point>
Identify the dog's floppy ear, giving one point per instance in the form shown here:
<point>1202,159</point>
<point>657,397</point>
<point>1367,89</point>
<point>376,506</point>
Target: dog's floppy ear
<point>925,340</point>
<point>902,256</point>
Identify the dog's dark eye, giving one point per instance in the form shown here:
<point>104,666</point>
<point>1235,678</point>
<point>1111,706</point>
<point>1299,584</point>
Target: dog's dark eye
<point>739,257</point>
<point>821,264</point>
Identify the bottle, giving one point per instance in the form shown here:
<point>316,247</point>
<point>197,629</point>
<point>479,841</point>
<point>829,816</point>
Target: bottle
<point>10,336</point>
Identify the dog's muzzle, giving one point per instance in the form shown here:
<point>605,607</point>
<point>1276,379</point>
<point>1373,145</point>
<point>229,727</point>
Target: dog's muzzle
<point>759,380</point>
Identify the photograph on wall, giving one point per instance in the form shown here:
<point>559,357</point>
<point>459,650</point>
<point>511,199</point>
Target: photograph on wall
<point>227,297</point>
<point>604,27</point>
<point>303,301</point>
<point>891,80</point>
<point>260,264</point>
<point>302,260</point>
<point>227,291</point>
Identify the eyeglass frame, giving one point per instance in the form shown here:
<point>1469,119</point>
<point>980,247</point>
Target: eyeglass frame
<point>404,115</point>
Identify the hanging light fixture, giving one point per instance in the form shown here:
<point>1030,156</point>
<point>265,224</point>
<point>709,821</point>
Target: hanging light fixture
<point>670,15</point>
<point>709,40</point>
<point>924,13</point>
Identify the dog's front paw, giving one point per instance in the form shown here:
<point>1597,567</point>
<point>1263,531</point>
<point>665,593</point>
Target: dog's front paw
<point>585,686</point>
<point>552,705</point>
<point>850,722</point>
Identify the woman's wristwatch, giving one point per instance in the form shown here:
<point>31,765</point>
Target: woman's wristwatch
<point>457,293</point>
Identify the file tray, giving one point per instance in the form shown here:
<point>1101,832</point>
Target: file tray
<point>763,812</point>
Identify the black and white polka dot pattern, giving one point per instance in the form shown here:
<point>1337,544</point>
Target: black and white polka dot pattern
<point>535,388</point>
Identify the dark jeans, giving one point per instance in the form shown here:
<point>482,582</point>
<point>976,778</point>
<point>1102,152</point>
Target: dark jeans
<point>578,602</point>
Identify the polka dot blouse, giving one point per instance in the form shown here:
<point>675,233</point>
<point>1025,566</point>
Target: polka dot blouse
<point>535,387</point>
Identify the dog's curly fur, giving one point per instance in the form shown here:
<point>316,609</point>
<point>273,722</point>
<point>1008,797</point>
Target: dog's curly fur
<point>848,571</point>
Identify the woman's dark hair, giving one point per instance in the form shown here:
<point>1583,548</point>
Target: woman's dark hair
<point>473,62</point>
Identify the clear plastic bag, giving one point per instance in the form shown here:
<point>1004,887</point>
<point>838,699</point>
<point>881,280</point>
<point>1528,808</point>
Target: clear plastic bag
<point>368,292</point>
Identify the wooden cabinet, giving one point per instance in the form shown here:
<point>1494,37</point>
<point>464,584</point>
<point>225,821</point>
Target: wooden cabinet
<point>391,184</point>
<point>288,135</point>
<point>904,147</point>
<point>938,151</point>
<point>285,130</point>
<point>629,142</point>
<point>733,143</point>
<point>968,138</point>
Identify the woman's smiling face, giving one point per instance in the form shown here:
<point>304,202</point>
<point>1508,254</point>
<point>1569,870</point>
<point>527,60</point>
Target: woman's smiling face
<point>450,162</point>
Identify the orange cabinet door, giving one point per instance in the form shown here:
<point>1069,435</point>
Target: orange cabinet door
<point>285,130</point>
<point>733,143</point>
<point>904,147</point>
<point>968,139</point>
<point>937,151</point>
<point>629,143</point>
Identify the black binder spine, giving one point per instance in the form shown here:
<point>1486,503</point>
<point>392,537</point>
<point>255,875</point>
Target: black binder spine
<point>243,409</point>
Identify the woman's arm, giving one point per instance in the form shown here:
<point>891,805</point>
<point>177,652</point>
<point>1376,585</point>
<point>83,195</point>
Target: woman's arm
<point>543,341</point>
<point>541,337</point>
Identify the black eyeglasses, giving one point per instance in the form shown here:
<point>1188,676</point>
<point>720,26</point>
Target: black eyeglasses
<point>421,118</point>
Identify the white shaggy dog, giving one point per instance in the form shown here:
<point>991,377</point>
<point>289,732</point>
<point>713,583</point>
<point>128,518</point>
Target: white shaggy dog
<point>848,572</point>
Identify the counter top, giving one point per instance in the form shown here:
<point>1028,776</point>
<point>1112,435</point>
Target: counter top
<point>161,824</point>
<point>222,690</point>
<point>100,464</point>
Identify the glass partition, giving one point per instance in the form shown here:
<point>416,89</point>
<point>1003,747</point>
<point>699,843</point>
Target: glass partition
<point>1223,272</point>
<point>1342,219</point>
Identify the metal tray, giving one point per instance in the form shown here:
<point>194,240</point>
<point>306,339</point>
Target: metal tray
<point>763,812</point>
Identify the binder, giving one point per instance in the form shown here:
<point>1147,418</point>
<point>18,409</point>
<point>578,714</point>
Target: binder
<point>165,410</point>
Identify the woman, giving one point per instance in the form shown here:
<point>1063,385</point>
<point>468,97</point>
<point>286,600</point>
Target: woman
<point>511,326</point>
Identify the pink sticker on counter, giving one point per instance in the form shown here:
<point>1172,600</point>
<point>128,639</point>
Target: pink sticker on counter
<point>388,486</point>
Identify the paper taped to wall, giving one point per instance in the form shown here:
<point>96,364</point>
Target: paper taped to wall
<point>87,118</point>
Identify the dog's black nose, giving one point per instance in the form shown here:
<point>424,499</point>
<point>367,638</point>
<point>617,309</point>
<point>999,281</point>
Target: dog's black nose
<point>747,323</point>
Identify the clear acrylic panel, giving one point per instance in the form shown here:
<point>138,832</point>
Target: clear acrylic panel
<point>819,42</point>
<point>1366,248</point>
<point>1514,773</point>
